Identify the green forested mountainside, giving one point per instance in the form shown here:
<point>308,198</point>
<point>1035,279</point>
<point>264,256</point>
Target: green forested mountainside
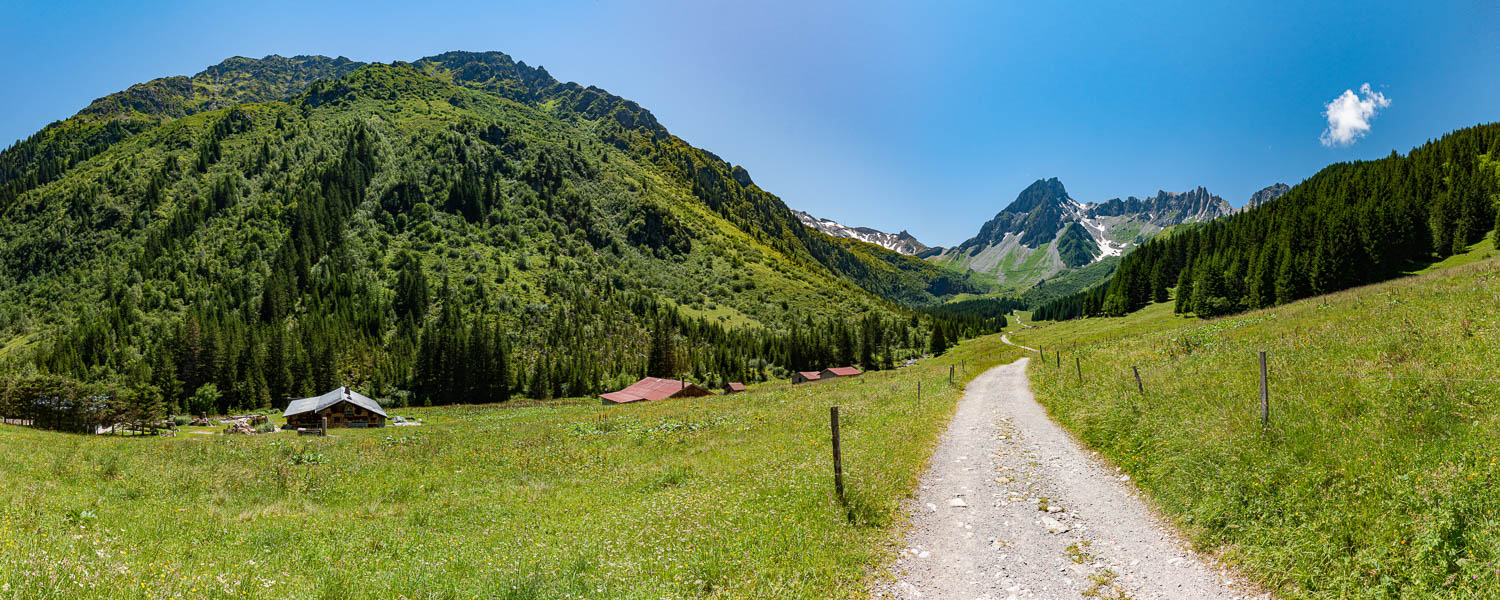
<point>1068,283</point>
<point>1075,247</point>
<point>60,146</point>
<point>455,229</point>
<point>1348,225</point>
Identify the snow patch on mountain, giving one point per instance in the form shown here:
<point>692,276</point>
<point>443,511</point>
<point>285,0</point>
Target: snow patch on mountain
<point>902,242</point>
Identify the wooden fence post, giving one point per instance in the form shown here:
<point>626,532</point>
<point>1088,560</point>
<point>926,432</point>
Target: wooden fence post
<point>325,426</point>
<point>950,374</point>
<point>1265,394</point>
<point>1058,356</point>
<point>838,458</point>
<point>1138,386</point>
<point>919,391</point>
<point>1078,363</point>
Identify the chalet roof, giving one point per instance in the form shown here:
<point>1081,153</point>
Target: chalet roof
<point>810,375</point>
<point>651,388</point>
<point>737,386</point>
<point>318,403</point>
<point>843,371</point>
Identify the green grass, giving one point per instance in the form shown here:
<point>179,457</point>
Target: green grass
<point>718,497</point>
<point>1028,267</point>
<point>1478,251</point>
<point>1375,479</point>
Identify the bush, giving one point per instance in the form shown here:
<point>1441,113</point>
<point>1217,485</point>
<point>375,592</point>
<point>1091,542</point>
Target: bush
<point>181,420</point>
<point>396,399</point>
<point>205,400</point>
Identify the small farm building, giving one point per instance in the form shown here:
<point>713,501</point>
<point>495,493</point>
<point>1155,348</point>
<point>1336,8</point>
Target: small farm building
<point>342,407</point>
<point>734,388</point>
<point>805,376</point>
<point>654,388</point>
<point>833,372</point>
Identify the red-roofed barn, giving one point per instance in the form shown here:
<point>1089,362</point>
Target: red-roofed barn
<point>833,372</point>
<point>804,377</point>
<point>654,388</point>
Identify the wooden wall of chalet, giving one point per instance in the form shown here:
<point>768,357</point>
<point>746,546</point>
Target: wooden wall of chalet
<point>343,414</point>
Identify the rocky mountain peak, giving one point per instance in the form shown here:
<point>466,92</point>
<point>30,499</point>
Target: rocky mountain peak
<point>1266,194</point>
<point>1165,208</point>
<point>1040,193</point>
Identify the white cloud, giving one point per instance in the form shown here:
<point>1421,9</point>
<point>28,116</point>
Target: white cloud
<point>1349,115</point>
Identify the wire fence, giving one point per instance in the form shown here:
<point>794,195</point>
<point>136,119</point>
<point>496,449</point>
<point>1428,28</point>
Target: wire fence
<point>1269,394</point>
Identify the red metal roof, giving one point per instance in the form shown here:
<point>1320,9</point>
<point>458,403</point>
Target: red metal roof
<point>844,371</point>
<point>736,386</point>
<point>653,388</point>
<point>810,375</point>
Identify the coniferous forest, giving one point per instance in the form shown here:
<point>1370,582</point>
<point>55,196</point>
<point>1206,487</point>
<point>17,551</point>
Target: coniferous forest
<point>1349,225</point>
<point>459,229</point>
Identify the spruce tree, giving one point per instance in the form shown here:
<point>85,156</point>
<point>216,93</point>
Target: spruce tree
<point>1184,300</point>
<point>660,362</point>
<point>411,290</point>
<point>938,344</point>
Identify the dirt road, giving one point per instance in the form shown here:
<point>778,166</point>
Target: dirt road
<point>1013,507</point>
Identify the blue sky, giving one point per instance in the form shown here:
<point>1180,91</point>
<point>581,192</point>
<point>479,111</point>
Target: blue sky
<point>906,115</point>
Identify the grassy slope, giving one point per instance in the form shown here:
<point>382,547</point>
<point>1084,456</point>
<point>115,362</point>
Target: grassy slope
<point>1479,251</point>
<point>1070,282</point>
<point>1368,486</point>
<point>724,497</point>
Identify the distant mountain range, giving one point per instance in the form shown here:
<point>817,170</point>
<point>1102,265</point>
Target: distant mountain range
<point>902,242</point>
<point>1044,231</point>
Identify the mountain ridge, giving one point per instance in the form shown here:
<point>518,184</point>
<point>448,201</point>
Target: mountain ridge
<point>902,242</point>
<point>1044,231</point>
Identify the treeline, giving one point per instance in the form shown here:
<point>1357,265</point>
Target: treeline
<point>983,314</point>
<point>217,361</point>
<point>1085,303</point>
<point>63,404</point>
<point>1349,225</point>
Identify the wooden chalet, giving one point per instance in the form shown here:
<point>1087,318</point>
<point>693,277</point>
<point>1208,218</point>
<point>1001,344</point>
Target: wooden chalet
<point>654,388</point>
<point>835,372</point>
<point>342,407</point>
<point>805,376</point>
<point>734,388</point>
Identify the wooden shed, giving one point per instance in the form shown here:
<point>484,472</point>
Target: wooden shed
<point>834,372</point>
<point>654,388</point>
<point>342,407</point>
<point>805,376</point>
<point>734,388</point>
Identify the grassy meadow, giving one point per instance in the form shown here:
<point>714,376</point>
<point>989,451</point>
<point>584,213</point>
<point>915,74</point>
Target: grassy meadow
<point>1377,476</point>
<point>723,497</point>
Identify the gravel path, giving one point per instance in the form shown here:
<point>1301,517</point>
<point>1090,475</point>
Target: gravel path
<point>1013,507</point>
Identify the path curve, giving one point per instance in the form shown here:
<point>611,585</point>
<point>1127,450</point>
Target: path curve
<point>1006,339</point>
<point>1013,507</point>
